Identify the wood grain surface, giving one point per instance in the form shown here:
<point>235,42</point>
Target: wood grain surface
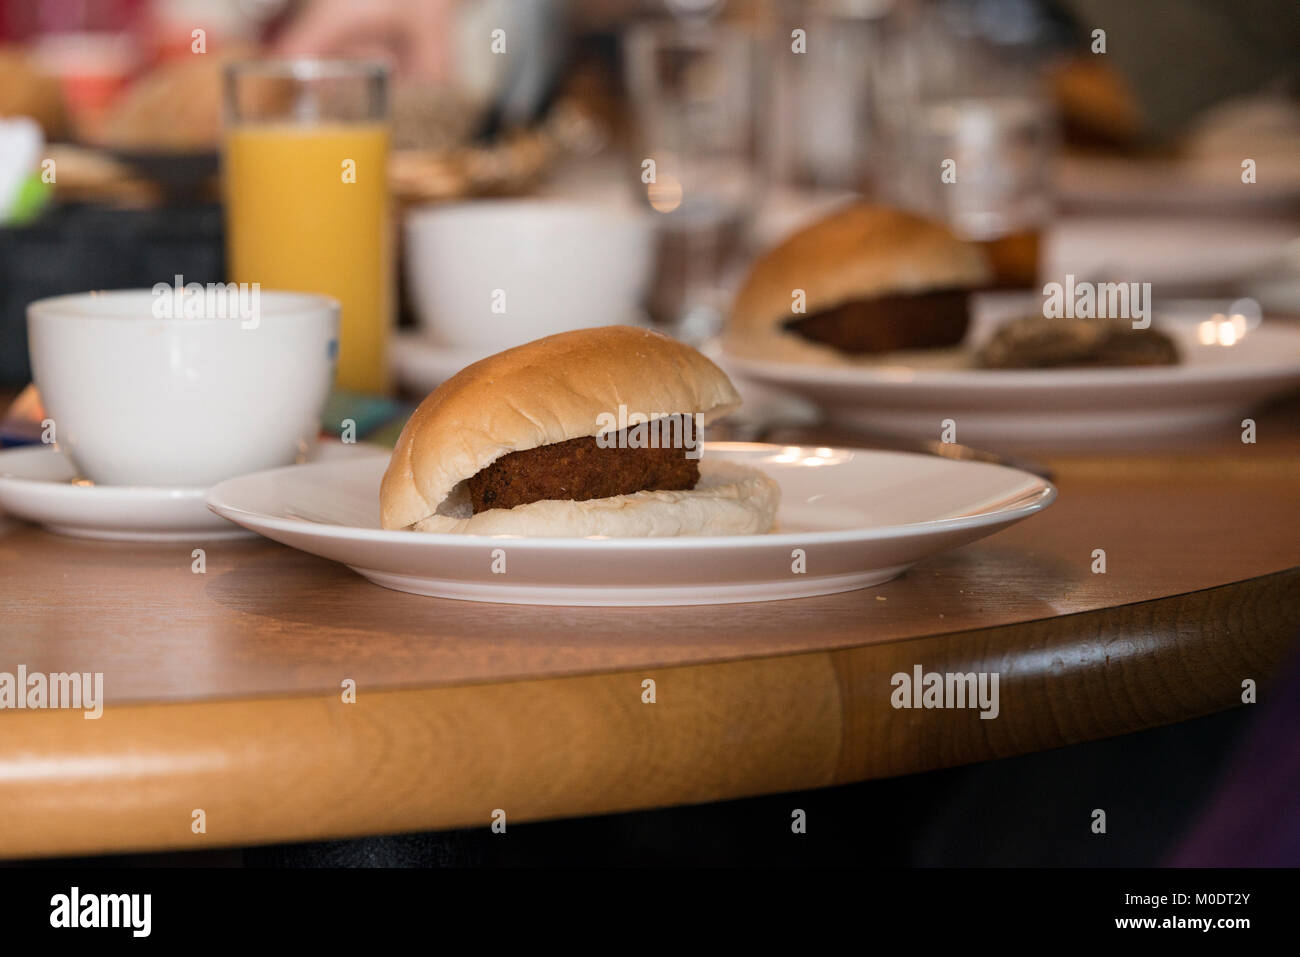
<point>223,688</point>
<point>283,769</point>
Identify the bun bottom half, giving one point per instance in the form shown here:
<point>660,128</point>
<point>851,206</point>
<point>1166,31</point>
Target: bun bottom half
<point>729,499</point>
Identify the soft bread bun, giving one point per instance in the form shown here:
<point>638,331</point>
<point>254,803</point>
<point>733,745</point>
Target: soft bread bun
<point>540,393</point>
<point>859,252</point>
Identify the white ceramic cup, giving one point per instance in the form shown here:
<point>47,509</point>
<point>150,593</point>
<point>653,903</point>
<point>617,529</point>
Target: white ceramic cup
<point>497,273</point>
<point>142,395</point>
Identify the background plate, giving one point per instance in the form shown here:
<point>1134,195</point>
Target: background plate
<point>1059,408</point>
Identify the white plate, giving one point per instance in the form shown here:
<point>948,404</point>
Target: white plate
<point>860,518</point>
<point>1176,186</point>
<point>1213,386</point>
<point>39,484</point>
<point>1162,250</point>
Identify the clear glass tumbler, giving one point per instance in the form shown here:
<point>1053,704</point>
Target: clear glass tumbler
<point>972,140</point>
<point>695,95</point>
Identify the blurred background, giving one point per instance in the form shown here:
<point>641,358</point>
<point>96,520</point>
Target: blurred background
<point>1115,133</point>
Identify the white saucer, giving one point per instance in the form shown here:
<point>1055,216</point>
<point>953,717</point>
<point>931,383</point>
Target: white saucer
<point>1212,387</point>
<point>421,364</point>
<point>859,518</point>
<point>40,484</point>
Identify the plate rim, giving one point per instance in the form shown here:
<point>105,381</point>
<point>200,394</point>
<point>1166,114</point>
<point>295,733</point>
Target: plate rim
<point>143,493</point>
<point>151,493</point>
<point>903,377</point>
<point>1041,494</point>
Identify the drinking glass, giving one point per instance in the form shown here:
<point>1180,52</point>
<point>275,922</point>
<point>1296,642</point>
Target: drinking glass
<point>972,141</point>
<point>306,190</point>
<point>694,93</point>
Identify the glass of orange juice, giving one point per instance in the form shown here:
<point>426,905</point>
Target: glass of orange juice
<point>306,190</point>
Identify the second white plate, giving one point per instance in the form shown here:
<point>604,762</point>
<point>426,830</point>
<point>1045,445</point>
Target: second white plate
<point>1213,387</point>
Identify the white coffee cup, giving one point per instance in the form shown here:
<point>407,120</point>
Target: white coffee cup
<point>140,393</point>
<point>497,273</point>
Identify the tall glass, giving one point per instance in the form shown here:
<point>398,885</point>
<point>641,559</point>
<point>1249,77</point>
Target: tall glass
<point>306,188</point>
<point>695,91</point>
<point>1000,151</point>
<point>972,138</point>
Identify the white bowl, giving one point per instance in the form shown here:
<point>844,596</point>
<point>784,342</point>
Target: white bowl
<point>553,266</point>
<point>182,402</point>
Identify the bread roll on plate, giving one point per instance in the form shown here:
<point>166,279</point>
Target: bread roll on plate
<point>864,281</point>
<point>594,432</point>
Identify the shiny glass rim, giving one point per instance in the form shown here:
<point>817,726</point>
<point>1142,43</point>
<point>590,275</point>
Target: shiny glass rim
<point>310,68</point>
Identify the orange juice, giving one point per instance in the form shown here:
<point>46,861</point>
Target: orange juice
<point>307,210</point>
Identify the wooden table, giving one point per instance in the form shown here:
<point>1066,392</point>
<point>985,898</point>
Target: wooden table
<point>224,689</point>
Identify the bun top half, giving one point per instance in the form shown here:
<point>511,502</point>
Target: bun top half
<point>862,251</point>
<point>547,391</point>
